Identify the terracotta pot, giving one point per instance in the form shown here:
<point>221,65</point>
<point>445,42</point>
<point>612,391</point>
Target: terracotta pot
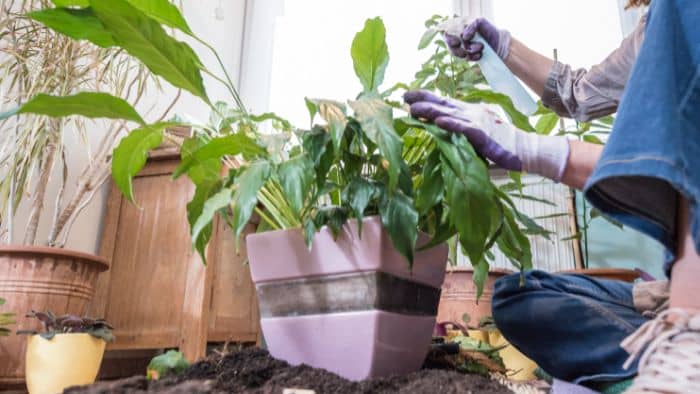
<point>459,296</point>
<point>43,279</point>
<point>65,360</point>
<point>350,305</point>
<point>607,273</point>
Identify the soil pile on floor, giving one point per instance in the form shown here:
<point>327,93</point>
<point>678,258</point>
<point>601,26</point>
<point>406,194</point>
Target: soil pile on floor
<point>252,370</point>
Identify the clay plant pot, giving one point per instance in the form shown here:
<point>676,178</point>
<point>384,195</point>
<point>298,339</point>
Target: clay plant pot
<point>459,296</point>
<point>65,360</point>
<point>624,275</point>
<point>349,305</point>
<point>42,279</point>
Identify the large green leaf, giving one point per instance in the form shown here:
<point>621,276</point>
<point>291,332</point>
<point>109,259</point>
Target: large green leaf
<point>357,194</point>
<point>376,120</point>
<point>469,194</point>
<point>250,181</point>
<point>145,39</point>
<point>217,148</point>
<point>518,119</point>
<point>201,171</point>
<point>79,24</point>
<point>432,188</point>
<point>400,220</point>
<point>370,54</point>
<point>130,155</point>
<point>203,192</point>
<point>211,206</point>
<point>296,177</point>
<point>87,104</point>
<point>164,12</point>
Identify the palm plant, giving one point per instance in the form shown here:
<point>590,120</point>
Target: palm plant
<point>37,60</point>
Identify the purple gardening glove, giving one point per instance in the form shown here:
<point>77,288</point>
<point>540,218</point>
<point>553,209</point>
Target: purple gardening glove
<point>463,44</point>
<point>492,137</point>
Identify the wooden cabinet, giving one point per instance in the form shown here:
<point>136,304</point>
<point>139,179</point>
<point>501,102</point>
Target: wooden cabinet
<point>157,293</point>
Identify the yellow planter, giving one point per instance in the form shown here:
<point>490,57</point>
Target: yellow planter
<point>512,358</point>
<point>64,361</point>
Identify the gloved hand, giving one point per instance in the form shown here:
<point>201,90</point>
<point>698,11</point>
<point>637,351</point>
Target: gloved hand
<point>491,137</point>
<point>460,38</point>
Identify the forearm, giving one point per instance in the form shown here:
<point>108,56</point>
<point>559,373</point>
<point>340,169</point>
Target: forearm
<point>583,157</point>
<point>528,65</point>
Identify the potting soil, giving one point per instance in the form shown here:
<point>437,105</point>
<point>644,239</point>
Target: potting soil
<point>252,370</point>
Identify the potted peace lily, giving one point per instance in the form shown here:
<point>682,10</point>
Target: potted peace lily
<point>354,211</point>
<point>77,342</point>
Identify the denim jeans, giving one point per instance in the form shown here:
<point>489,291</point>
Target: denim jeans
<point>653,153</point>
<point>570,325</point>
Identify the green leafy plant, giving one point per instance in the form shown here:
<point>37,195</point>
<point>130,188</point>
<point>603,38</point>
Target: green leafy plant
<point>360,158</point>
<point>69,324</point>
<point>171,362</point>
<point>6,319</point>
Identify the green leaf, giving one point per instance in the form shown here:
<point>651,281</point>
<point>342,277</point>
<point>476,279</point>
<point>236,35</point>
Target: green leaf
<point>358,194</point>
<point>481,273</point>
<point>71,3</point>
<point>376,120</point>
<point>513,243</point>
<point>432,188</point>
<point>145,39</point>
<point>79,24</point>
<point>469,194</point>
<point>217,148</point>
<point>211,206</point>
<point>546,123</point>
<point>2,301</point>
<point>333,113</point>
<point>427,38</point>
<point>203,192</point>
<point>518,119</point>
<point>296,177</point>
<point>87,104</point>
<point>333,217</point>
<point>130,155</point>
<point>318,145</point>
<point>312,107</point>
<point>207,170</point>
<point>171,362</point>
<point>370,54</point>
<point>250,181</point>
<point>593,139</point>
<point>443,233</point>
<point>400,220</point>
<point>164,12</point>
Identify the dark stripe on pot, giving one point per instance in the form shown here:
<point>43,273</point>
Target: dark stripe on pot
<point>364,291</point>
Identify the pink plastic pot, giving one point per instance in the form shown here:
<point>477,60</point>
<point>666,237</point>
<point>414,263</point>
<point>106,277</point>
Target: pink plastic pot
<point>351,305</point>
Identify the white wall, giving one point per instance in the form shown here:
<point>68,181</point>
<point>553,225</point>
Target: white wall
<point>225,35</point>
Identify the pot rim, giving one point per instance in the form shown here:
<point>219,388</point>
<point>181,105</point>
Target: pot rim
<point>365,219</point>
<point>100,262</point>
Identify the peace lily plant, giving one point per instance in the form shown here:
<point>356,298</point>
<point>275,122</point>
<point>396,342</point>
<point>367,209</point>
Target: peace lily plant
<point>365,157</point>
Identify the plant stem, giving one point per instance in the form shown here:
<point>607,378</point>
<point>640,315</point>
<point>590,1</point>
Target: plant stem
<point>40,193</point>
<point>269,221</point>
<point>229,84</point>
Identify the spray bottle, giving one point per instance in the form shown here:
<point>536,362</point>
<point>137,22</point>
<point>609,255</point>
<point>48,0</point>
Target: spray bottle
<point>497,74</point>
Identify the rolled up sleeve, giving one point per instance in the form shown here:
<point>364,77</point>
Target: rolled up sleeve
<point>589,94</point>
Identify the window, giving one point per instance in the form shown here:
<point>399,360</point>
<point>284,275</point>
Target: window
<point>309,49</point>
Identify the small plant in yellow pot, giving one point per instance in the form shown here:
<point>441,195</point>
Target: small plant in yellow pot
<point>68,353</point>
